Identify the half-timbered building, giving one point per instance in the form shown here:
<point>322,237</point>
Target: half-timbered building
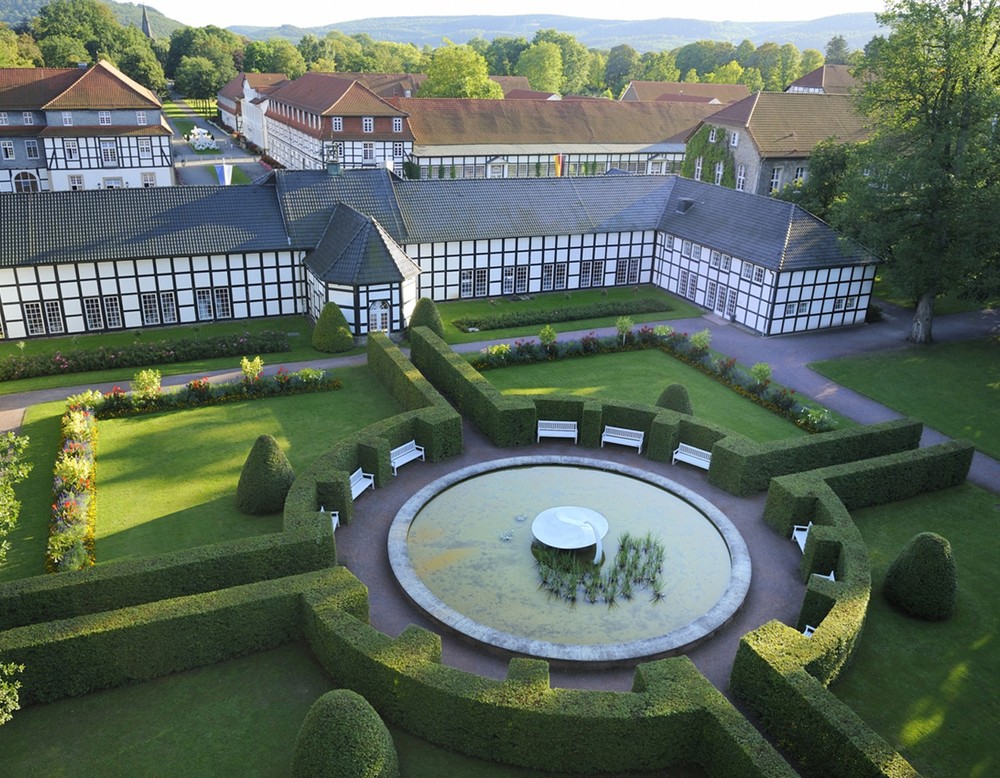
<point>374,243</point>
<point>74,129</point>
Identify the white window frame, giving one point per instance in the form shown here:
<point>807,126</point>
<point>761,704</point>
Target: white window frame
<point>713,135</point>
<point>741,178</point>
<point>803,308</point>
<point>482,282</point>
<point>34,321</point>
<point>800,175</point>
<point>585,273</point>
<point>104,118</point>
<point>168,306</point>
<point>775,179</point>
<point>4,119</point>
<point>140,118</point>
<point>223,302</point>
<point>716,258</point>
<point>92,313</point>
<point>378,316</point>
<point>148,180</point>
<point>838,304</point>
<point>465,284</point>
<point>697,168</point>
<point>734,139</point>
<point>54,317</point>
<point>562,275</point>
<point>720,299</point>
<point>7,149</point>
<point>31,148</point>
<point>28,118</point>
<point>398,149</point>
<point>758,275</point>
<point>113,182</point>
<point>67,118</point>
<point>747,271</point>
<point>397,124</point>
<point>507,286</point>
<point>109,153</point>
<point>731,304</point>
<point>76,183</point>
<point>367,124</point>
<point>112,312</point>
<point>548,276</point>
<point>696,251</point>
<point>203,302</point>
<point>521,279</point>
<point>791,309</point>
<point>336,123</point>
<point>150,308</point>
<point>368,151</point>
<point>692,290</point>
<point>686,248</point>
<point>25,181</point>
<point>851,302</point>
<point>720,168</point>
<point>727,262</point>
<point>71,148</point>
<point>145,146</point>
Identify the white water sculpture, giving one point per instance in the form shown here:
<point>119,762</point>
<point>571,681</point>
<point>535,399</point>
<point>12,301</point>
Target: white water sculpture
<point>569,527</point>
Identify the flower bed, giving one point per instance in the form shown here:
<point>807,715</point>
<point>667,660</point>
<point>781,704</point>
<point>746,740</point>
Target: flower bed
<point>754,384</point>
<point>74,490</point>
<point>17,366</point>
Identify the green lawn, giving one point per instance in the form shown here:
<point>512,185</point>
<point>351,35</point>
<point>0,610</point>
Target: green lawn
<point>929,688</point>
<point>952,387</point>
<point>640,376</point>
<point>239,177</point>
<point>459,309</point>
<point>167,481</point>
<point>297,327</point>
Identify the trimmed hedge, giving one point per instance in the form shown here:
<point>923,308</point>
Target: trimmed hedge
<point>114,585</point>
<point>266,477</point>
<point>672,716</point>
<point>500,320</point>
<point>506,421</point>
<point>922,580</point>
<point>675,397</point>
<point>742,466</point>
<point>426,314</point>
<point>331,333</point>
<point>343,737</point>
<point>103,650</point>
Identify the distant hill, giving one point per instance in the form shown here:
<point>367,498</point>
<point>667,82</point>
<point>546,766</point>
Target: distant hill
<point>17,11</point>
<point>647,35</point>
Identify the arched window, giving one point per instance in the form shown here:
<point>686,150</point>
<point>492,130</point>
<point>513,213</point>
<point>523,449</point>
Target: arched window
<point>25,182</point>
<point>378,316</point>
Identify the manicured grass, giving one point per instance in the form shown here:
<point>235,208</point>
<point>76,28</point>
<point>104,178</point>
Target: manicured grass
<point>952,387</point>
<point>298,328</point>
<point>239,177</point>
<point>460,309</point>
<point>168,481</point>
<point>929,688</point>
<point>239,717</point>
<point>640,376</point>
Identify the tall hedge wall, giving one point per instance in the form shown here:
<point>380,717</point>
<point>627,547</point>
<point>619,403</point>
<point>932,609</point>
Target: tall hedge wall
<point>506,421</point>
<point>115,585</point>
<point>673,716</point>
<point>742,466</point>
<point>102,650</point>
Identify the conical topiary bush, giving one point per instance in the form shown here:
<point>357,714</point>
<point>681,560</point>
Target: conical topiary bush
<point>266,478</point>
<point>343,737</point>
<point>426,314</point>
<point>922,579</point>
<point>331,333</point>
<point>675,398</point>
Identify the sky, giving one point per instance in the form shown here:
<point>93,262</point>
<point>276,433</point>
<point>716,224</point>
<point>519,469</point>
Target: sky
<point>309,13</point>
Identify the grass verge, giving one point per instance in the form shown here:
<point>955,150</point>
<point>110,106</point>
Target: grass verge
<point>640,376</point>
<point>460,309</point>
<point>952,387</point>
<point>929,688</point>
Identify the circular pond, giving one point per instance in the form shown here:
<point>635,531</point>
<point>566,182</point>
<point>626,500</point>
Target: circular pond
<point>462,549</point>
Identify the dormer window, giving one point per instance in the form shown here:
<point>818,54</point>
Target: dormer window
<point>140,117</point>
<point>4,121</point>
<point>104,117</point>
<point>337,123</point>
<point>367,124</point>
<point>397,124</point>
<point>28,117</point>
<point>67,119</point>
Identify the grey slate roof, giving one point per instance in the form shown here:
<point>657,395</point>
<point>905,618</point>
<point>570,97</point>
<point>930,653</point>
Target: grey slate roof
<point>768,232</point>
<point>356,251</point>
<point>96,225</point>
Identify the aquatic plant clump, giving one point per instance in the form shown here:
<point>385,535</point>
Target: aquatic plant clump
<point>572,576</point>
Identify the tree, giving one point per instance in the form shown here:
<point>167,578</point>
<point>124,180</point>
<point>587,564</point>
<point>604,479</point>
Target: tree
<point>691,77</point>
<point>837,52</point>
<point>767,59</point>
<point>273,56</point>
<point>88,22</point>
<point>63,51</point>
<point>221,46</point>
<point>503,52</point>
<point>752,79</point>
<point>811,59</point>
<point>730,73</point>
<point>10,55</point>
<point>13,469</point>
<point>457,71</point>
<point>199,78</point>
<point>704,56</point>
<point>622,65</point>
<point>266,477</point>
<point>658,66</point>
<point>791,64</point>
<point>575,60</point>
<point>138,62</point>
<point>923,193</point>
<point>541,64</point>
<point>823,189</point>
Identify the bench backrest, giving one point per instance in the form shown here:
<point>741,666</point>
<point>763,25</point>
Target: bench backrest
<point>621,432</point>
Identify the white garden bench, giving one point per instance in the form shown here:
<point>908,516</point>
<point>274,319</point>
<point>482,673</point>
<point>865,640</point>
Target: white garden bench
<point>334,518</point>
<point>361,481</point>
<point>799,534</point>
<point>831,576</point>
<point>808,630</point>
<point>693,456</point>
<point>622,436</point>
<point>400,455</point>
<point>548,428</point>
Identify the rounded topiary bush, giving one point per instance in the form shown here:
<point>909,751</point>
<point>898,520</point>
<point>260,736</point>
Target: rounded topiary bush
<point>425,314</point>
<point>675,398</point>
<point>922,580</point>
<point>266,478</point>
<point>331,333</point>
<point>343,737</point>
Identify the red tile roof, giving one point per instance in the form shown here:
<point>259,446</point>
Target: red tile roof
<point>32,88</point>
<point>441,121</point>
<point>103,86</point>
<point>788,124</point>
<point>648,91</point>
<point>327,94</point>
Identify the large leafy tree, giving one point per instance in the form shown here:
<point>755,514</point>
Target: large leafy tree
<point>503,52</point>
<point>925,189</point>
<point>658,66</point>
<point>541,64</point>
<point>458,71</point>
<point>621,68</point>
<point>575,60</point>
